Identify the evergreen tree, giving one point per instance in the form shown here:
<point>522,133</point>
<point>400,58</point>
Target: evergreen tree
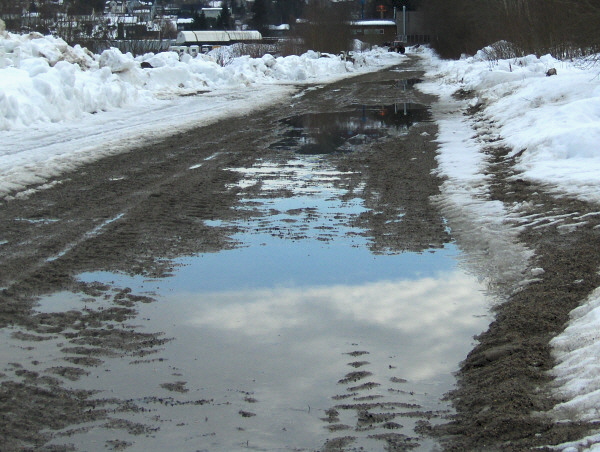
<point>260,15</point>
<point>224,19</point>
<point>200,22</point>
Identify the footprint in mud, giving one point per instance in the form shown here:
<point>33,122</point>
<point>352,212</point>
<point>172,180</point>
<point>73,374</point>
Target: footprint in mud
<point>177,386</point>
<point>354,376</point>
<point>370,407</point>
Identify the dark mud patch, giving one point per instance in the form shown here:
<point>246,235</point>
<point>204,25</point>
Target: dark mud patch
<point>354,376</point>
<point>398,380</point>
<point>338,427</point>
<point>118,445</point>
<point>358,353</point>
<point>37,399</point>
<point>133,428</point>
<point>359,363</point>
<point>338,444</point>
<point>367,419</point>
<point>364,386</point>
<point>332,416</point>
<point>396,442</point>
<point>36,402</point>
<point>70,373</point>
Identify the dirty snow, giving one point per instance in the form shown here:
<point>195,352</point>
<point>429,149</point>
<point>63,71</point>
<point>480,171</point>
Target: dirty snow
<point>552,126</point>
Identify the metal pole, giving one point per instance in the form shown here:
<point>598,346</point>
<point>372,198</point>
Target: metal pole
<point>404,23</point>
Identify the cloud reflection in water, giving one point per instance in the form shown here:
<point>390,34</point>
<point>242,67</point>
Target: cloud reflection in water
<point>425,317</point>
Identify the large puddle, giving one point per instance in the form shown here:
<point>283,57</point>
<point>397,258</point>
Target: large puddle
<point>342,131</point>
<point>298,339</point>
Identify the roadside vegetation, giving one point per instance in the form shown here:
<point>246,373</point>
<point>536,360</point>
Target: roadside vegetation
<point>563,28</point>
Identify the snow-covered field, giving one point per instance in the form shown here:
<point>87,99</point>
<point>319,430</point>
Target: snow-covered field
<point>61,107</point>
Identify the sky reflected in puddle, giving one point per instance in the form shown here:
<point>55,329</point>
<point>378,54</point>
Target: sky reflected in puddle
<point>275,357</point>
<point>299,336</point>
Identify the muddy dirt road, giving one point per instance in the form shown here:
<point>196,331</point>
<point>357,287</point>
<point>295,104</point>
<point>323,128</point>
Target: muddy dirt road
<point>85,338</point>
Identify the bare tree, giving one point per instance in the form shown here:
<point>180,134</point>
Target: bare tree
<point>583,20</point>
<point>327,26</point>
<point>564,28</point>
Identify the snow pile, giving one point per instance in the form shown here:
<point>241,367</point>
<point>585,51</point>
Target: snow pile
<point>551,124</point>
<point>45,80</point>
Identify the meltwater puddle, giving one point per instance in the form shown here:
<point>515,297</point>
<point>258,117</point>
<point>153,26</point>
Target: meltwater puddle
<point>342,131</point>
<point>299,339</point>
<point>280,365</point>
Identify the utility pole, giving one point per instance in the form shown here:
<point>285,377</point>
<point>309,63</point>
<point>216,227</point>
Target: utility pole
<point>403,23</point>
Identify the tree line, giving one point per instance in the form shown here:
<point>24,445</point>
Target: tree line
<point>562,28</point>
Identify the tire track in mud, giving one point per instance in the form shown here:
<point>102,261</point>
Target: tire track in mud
<point>131,213</point>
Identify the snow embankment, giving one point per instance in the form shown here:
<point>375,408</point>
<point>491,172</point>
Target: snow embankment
<point>62,106</point>
<point>45,80</point>
<point>551,123</point>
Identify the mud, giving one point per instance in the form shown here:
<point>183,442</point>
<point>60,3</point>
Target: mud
<point>137,212</point>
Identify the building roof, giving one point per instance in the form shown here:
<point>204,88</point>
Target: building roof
<point>207,36</point>
<point>378,23</point>
<point>212,13</point>
<point>279,27</point>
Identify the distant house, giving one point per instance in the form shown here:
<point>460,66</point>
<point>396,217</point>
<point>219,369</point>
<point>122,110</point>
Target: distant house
<point>278,31</point>
<point>375,31</point>
<point>184,22</point>
<point>212,13</point>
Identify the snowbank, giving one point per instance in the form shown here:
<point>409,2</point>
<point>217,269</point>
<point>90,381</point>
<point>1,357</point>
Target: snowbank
<point>551,123</point>
<point>61,106</point>
<point>45,80</point>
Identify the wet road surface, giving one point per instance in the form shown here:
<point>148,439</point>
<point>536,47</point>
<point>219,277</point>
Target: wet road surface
<point>279,281</point>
